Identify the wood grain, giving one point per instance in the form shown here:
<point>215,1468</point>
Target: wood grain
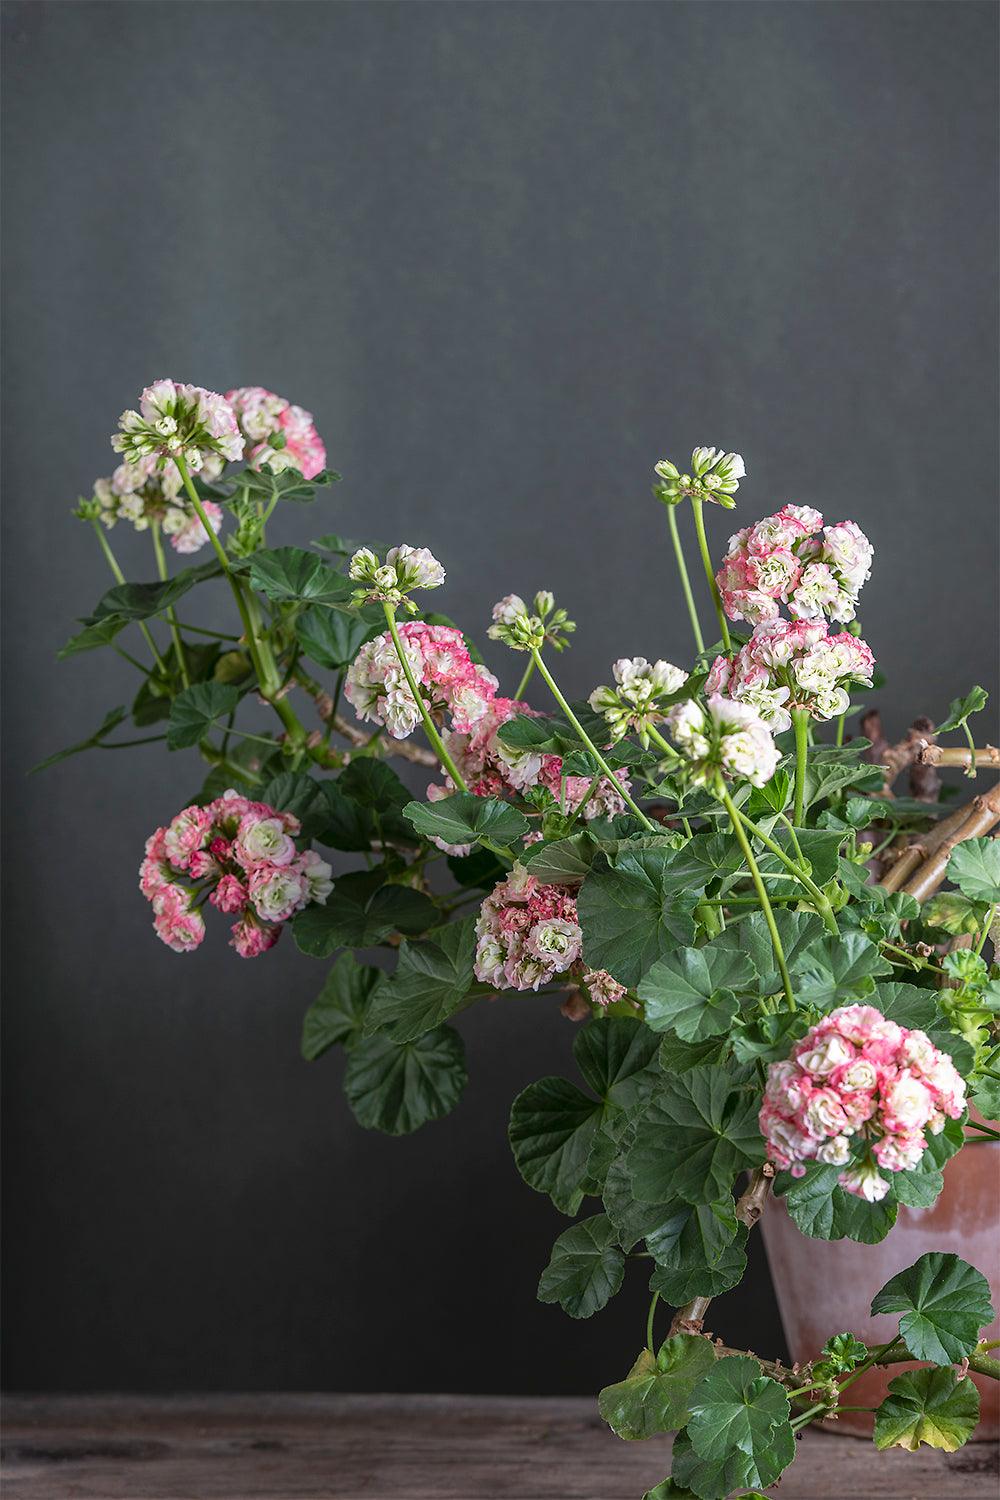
<point>403,1448</point>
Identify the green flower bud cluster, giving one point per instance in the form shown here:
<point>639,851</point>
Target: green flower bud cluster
<point>715,475</point>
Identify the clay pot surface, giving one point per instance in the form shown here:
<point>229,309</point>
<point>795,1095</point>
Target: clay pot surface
<point>826,1286</point>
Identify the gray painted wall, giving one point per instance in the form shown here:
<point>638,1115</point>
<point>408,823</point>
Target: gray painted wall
<point>509,255</point>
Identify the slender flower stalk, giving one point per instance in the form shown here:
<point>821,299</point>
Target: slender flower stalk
<point>819,900</point>
<point>574,721</point>
<point>692,610</point>
<point>649,1322</point>
<point>161,568</point>
<point>430,728</point>
<point>697,507</point>
<point>119,578</point>
<point>762,896</point>
<point>526,677</point>
<point>800,720</point>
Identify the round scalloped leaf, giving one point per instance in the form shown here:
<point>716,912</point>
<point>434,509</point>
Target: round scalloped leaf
<point>943,1302</point>
<point>586,1268</point>
<point>929,1406</point>
<point>653,1396</point>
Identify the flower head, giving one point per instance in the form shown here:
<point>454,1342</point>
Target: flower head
<point>527,630</point>
<point>405,568</point>
<point>179,421</point>
<point>859,1091</point>
<point>282,436</point>
<point>640,697</point>
<point>790,559</point>
<point>715,475</point>
<point>440,662</point>
<point>724,738</point>
<point>526,933</point>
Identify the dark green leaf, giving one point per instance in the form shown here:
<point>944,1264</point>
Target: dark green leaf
<point>838,970</point>
<point>693,1277</point>
<point>137,601</point>
<point>101,633</point>
<point>824,1211</point>
<point>561,861</point>
<point>694,1137</point>
<point>463,819</point>
<point>975,868</point>
<point>796,930</point>
<point>739,1430</point>
<point>586,1268</point>
<point>693,991</point>
<point>196,709</point>
<point>927,1406</point>
<point>612,1053</point>
<point>637,907</point>
<point>361,911</point>
<point>397,1088</point>
<point>944,1303</point>
<point>479,870</point>
<point>431,982</point>
<point>552,1125</point>
<point>292,575</point>
<point>332,637</point>
<point>653,1396</point>
<point>338,1012</point>
<point>297,793</point>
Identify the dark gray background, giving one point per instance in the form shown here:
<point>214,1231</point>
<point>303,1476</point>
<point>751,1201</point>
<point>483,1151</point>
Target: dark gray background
<point>509,255</point>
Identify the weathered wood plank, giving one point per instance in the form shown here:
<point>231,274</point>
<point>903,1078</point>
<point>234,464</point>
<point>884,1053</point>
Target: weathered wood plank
<point>386,1447</point>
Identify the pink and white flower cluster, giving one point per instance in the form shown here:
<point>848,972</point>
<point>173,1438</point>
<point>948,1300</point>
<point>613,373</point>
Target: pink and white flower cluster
<point>527,933</point>
<point>439,660</point>
<point>794,664</point>
<point>636,701</point>
<point>179,421</point>
<point>790,558</point>
<point>266,419</point>
<point>723,738</point>
<point>858,1077</point>
<point>491,768</point>
<point>149,492</point>
<point>242,857</point>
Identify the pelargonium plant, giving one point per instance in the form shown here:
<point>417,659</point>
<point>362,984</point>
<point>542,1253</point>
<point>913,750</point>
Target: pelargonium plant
<point>781,968</point>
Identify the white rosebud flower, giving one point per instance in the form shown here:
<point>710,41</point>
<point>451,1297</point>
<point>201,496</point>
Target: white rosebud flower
<point>416,567</point>
<point>509,609</point>
<point>318,876</point>
<point>364,565</point>
<point>831,1052</point>
<point>545,602</point>
<point>834,1152</point>
<point>556,942</point>
<point>865,1182</point>
<point>400,713</point>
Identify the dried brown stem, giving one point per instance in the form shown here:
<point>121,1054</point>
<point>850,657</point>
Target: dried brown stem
<point>894,759</point>
<point>939,755</point>
<point>749,1207</point>
<point>981,815</point>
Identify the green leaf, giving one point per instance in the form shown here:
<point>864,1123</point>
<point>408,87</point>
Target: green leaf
<point>297,793</point>
<point>955,913</point>
<point>137,601</point>
<point>364,808</point>
<point>613,1054</point>
<point>290,575</point>
<point>927,1406</point>
<point>987,1097</point>
<point>552,1125</point>
<point>431,982</point>
<point>906,1004</point>
<point>636,907</point>
<point>654,1394</point>
<point>838,970</point>
<point>830,770</point>
<point>360,912</point>
<point>479,870</point>
<point>288,485</point>
<point>101,633</point>
<point>820,849</point>
<point>693,991</point>
<point>586,1268</point>
<point>739,1431</point>
<point>773,797</point>
<point>108,724</point>
<point>195,710</point>
<point>975,868</point>
<point>797,931</point>
<point>332,637</point>
<point>463,819</point>
<point>632,1220</point>
<point>397,1088</point>
<point>697,1133</point>
<point>822,1209</point>
<point>337,1014</point>
<point>692,1277</point>
<point>944,1303</point>
<point>562,861</point>
<point>959,709</point>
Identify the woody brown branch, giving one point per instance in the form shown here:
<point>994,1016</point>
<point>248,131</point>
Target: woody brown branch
<point>749,1207</point>
<point>939,755</point>
<point>981,815</point>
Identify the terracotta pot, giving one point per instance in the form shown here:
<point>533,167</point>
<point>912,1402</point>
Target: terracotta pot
<point>826,1286</point>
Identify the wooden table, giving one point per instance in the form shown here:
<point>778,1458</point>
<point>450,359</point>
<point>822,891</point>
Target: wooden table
<point>404,1448</point>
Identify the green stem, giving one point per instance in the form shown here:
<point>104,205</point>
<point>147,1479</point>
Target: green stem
<point>697,507</point>
<point>800,719</point>
<point>664,744</point>
<point>132,661</point>
<point>218,635</point>
<point>119,578</point>
<point>840,729</point>
<point>818,898</point>
<point>972,748</point>
<point>987,1130</point>
<point>984,934</point>
<point>794,838</point>
<point>692,610</point>
<point>161,568</point>
<point>762,896</point>
<point>430,728</point>
<point>149,739</point>
<point>525,679</point>
<point>574,721</point>
<point>260,650</point>
<point>649,1321</point>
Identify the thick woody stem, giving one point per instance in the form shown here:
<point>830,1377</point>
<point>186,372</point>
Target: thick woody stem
<point>894,759</point>
<point>749,1207</point>
<point>939,755</point>
<point>982,814</point>
<point>926,844</point>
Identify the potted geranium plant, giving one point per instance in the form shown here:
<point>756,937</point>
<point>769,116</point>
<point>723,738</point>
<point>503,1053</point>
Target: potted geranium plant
<point>777,997</point>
